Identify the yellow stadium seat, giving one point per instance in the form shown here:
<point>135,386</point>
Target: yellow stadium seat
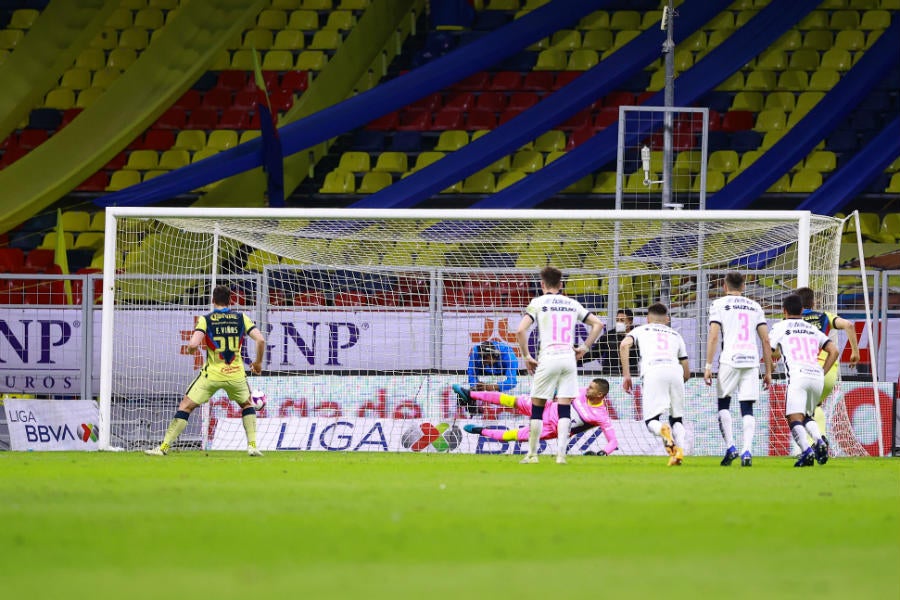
<point>258,260</point>
<point>634,183</point>
<point>316,4</point>
<point>582,186</point>
<point>355,162</point>
<point>121,58</point>
<point>773,59</point>
<point>605,183</point>
<point>696,42</point>
<point>49,240</point>
<point>597,39</point>
<point>88,97</point>
<point>684,60</point>
<point>715,39</point>
<point>844,19</point>
<point>824,80</point>
<point>133,4</point>
<point>781,186</point>
<point>339,182</point>
<point>599,19</point>
<point>153,174</point>
<point>894,185</point>
<point>106,39</point>
<point>890,226</point>
<point>98,221</point>
<point>481,182</point>
<point>304,20</point>
<point>169,5</point>
<point>681,181</point>
<point>734,83</point>
<point>272,19</point>
<point>875,19</point>
<point>90,58</point>
<point>771,138</point>
<point>541,44</point>
<point>23,18</point>
<point>174,159</point>
<point>353,4</point>
<point>807,101</point>
<point>92,240</point>
<point>582,59</point>
<point>205,153</point>
<point>142,160</point>
<point>103,78</point>
<point>725,161</point>
<point>748,158</point>
<point>451,140</point>
<point>805,181</point>
<point>340,20</point>
<point>752,101</point>
<point>259,38</point>
<point>550,60</point>
<point>289,39</point>
<point>823,161</point>
<point>762,81</point>
<point>60,99</point>
<point>850,40</point>
<point>391,162</point>
<point>658,80</point>
<point>76,220</point>
<point>134,38</point>
<point>527,161</point>
<point>715,181</point>
<point>651,18</point>
<point>509,178</point>
<point>551,156</point>
<point>311,60</point>
<point>687,161</point>
<point>723,20</point>
<point>818,40</point>
<point>222,139</point>
<point>285,5</point>
<point>278,60</point>
<point>148,18</point>
<point>625,19</point>
<point>894,166</point>
<point>743,17</point>
<point>625,36</point>
<point>120,18</point>
<point>427,158</point>
<point>4,54</point>
<point>374,182</point>
<point>790,41</point>
<point>248,135</point>
<point>325,39</point>
<point>123,179</point>
<point>793,80</point>
<point>804,59</point>
<point>817,19</point>
<point>772,119</point>
<point>501,164</point>
<point>502,5</point>
<point>786,101</point>
<point>190,139</point>
<point>550,141</point>
<point>242,60</point>
<point>566,39</point>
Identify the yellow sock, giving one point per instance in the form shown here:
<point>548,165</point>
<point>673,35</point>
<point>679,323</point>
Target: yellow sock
<point>250,427</point>
<point>175,428</point>
<point>507,400</point>
<point>510,435</point>
<point>819,416</point>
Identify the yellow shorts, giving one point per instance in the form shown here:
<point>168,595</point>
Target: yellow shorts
<point>830,379</point>
<point>203,388</point>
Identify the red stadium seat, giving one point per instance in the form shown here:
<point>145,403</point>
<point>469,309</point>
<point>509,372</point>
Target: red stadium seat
<point>505,81</point>
<point>217,98</point>
<point>579,119</point>
<point>460,101</point>
<point>68,116</point>
<point>385,123</point>
<point>32,138</point>
<point>12,260</point>
<point>477,81</point>
<point>430,103</point>
<point>203,118</point>
<point>245,100</point>
<point>11,155</point>
<point>295,81</point>
<point>481,119</point>
<point>189,101</point>
<point>310,299</point>
<point>447,118</point>
<point>174,118</point>
<point>116,162</point>
<point>39,260</point>
<point>510,113</point>
<point>523,100</point>
<point>95,183</point>
<point>738,120</point>
<point>414,120</point>
<point>607,116</point>
<point>281,101</point>
<point>538,81</point>
<point>564,78</point>
<point>616,99</point>
<point>234,118</point>
<point>492,101</point>
<point>579,136</point>
<point>158,139</point>
<point>232,80</point>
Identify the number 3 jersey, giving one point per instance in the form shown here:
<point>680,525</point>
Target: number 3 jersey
<point>556,316</point>
<point>224,331</point>
<point>658,346</point>
<point>738,318</point>
<point>799,344</point>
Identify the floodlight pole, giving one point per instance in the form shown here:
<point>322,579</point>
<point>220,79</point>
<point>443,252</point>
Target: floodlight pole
<point>668,50</point>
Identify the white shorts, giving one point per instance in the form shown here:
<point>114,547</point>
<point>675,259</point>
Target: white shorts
<point>663,389</point>
<point>803,395</point>
<point>555,375</point>
<point>741,383</point>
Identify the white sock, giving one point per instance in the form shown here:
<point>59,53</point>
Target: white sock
<point>799,433</point>
<point>562,439</point>
<point>679,433</point>
<point>749,428</point>
<point>813,428</point>
<point>534,436</point>
<point>655,427</point>
<point>725,427</point>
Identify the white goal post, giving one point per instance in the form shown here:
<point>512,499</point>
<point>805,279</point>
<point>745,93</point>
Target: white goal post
<point>370,315</point>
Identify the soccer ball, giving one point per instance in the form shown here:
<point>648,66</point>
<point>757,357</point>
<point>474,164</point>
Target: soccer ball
<point>258,400</point>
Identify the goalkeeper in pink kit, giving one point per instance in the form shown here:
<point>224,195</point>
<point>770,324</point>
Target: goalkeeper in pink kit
<point>590,411</point>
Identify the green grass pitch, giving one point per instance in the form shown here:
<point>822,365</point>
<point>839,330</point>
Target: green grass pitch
<point>343,525</point>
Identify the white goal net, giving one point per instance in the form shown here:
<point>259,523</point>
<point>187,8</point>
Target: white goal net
<point>370,317</point>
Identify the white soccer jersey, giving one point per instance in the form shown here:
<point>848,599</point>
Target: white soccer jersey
<point>658,345</point>
<point>738,317</point>
<point>799,343</point>
<point>556,316</point>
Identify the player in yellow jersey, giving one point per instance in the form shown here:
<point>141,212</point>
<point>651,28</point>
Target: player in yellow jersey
<point>224,331</point>
<point>826,322</point>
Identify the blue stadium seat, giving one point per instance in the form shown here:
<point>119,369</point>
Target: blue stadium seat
<point>489,20</point>
<point>45,118</point>
<point>842,140</point>
<point>406,141</point>
<point>366,140</point>
<point>744,141</point>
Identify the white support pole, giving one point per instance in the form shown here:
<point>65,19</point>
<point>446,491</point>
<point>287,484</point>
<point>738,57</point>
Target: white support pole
<point>872,345</point>
<point>106,330</point>
<point>803,250</point>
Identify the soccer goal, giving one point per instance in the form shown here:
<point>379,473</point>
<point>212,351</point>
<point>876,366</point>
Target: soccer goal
<point>370,316</point>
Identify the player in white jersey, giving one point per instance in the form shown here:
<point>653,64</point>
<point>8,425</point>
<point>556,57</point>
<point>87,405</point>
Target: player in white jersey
<point>799,344</point>
<point>740,320</point>
<point>664,369</point>
<point>555,368</point>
